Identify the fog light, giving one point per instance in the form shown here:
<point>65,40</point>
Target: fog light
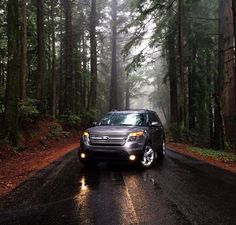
<point>82,155</point>
<point>132,157</point>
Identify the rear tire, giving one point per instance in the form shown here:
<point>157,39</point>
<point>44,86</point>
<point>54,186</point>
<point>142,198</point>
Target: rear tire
<point>162,151</point>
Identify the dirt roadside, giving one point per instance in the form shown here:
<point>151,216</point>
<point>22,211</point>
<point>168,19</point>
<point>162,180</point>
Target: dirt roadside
<point>20,166</point>
<point>183,149</point>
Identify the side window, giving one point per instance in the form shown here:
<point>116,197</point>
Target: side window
<point>153,117</point>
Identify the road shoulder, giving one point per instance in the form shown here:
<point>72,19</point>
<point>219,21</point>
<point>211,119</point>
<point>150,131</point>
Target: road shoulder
<point>184,149</point>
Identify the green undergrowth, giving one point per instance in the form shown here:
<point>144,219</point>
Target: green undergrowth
<point>215,154</point>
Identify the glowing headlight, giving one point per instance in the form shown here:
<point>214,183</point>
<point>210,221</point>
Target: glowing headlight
<point>135,135</point>
<point>85,136</point>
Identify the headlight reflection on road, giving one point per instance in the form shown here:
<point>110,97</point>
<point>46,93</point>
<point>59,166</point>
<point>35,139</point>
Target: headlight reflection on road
<point>84,187</point>
<point>82,201</point>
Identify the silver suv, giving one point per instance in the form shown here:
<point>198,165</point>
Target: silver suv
<point>135,136</point>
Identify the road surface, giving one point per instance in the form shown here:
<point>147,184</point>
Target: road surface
<point>177,191</point>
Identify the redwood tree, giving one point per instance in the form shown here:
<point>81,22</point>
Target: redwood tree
<point>113,87</point>
<point>93,52</point>
<point>54,75</point>
<point>40,51</point>
<point>23,46</point>
<point>13,75</point>
<point>68,100</point>
<point>226,81</point>
<point>181,66</point>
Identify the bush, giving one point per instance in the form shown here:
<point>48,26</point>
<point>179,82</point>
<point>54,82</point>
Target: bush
<point>55,130</point>
<point>88,118</point>
<point>181,134</point>
<point>72,120</point>
<point>19,148</point>
<point>28,109</point>
<point>178,133</point>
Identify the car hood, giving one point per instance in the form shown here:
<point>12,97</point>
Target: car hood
<point>113,130</point>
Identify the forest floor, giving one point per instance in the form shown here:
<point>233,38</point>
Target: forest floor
<point>41,145</point>
<point>224,160</point>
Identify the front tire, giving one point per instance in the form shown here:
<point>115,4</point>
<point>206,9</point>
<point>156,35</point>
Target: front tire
<point>148,158</point>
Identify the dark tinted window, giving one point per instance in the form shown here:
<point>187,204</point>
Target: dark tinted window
<point>123,119</point>
<point>153,117</point>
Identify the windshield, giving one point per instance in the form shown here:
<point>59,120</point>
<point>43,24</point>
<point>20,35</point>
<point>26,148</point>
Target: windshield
<point>123,119</point>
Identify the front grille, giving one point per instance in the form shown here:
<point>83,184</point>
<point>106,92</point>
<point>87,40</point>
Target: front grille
<point>108,140</point>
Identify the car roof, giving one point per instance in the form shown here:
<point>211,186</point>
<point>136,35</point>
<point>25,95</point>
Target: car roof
<point>131,111</point>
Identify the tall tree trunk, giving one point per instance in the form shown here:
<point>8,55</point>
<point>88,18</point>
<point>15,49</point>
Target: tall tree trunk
<point>182,104</point>
<point>13,74</point>
<point>113,87</point>
<point>84,75</point>
<point>23,46</point>
<point>219,83</point>
<point>61,72</point>
<point>172,71</point>
<point>192,84</point>
<point>226,69</point>
<point>127,94</point>
<point>234,16</point>
<point>120,77</point>
<point>40,51</point>
<point>54,75</point>
<point>210,100</point>
<point>68,98</point>
<point>78,73</point>
<point>93,52</point>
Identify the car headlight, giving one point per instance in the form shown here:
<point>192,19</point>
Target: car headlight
<point>85,136</point>
<point>133,136</point>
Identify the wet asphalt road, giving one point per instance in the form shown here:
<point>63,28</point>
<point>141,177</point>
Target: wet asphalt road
<point>177,191</point>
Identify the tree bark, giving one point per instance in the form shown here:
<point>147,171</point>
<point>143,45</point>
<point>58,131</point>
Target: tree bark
<point>40,51</point>
<point>234,15</point>
<point>127,94</point>
<point>226,70</point>
<point>219,133</point>
<point>172,71</point>
<point>181,66</point>
<point>84,75</point>
<point>54,75</point>
<point>13,74</point>
<point>68,98</point>
<point>192,85</point>
<point>93,52</point>
<point>61,72</point>
<point>113,87</point>
<point>23,50</point>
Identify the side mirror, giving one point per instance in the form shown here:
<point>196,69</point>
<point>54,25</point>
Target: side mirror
<point>154,124</point>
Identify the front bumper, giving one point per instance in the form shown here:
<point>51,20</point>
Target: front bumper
<point>111,153</point>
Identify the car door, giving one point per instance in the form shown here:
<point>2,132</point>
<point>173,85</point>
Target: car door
<point>155,131</point>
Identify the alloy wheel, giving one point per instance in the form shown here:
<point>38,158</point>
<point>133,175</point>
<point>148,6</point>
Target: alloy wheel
<point>148,157</point>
